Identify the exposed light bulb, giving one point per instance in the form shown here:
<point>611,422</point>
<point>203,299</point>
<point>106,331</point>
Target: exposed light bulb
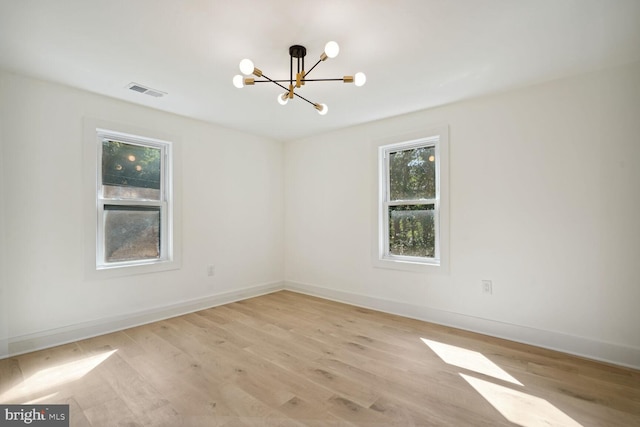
<point>238,81</point>
<point>331,49</point>
<point>359,79</point>
<point>246,67</point>
<point>283,99</point>
<point>322,109</point>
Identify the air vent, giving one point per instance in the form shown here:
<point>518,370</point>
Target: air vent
<point>147,91</point>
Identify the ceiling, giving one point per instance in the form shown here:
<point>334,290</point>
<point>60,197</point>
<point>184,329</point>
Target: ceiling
<point>416,54</point>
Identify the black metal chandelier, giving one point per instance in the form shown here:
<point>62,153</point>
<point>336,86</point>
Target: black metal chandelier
<point>298,79</point>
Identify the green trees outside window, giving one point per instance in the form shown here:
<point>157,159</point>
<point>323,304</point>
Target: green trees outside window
<point>411,206</point>
<point>132,202</point>
<point>130,171</point>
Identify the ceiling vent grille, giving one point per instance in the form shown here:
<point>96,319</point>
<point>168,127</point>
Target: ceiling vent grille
<point>147,91</point>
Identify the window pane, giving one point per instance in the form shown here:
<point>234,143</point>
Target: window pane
<point>130,171</point>
<point>412,230</point>
<point>131,233</point>
<point>412,174</point>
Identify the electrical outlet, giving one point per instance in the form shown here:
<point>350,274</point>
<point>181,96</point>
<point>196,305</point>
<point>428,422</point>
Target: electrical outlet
<point>487,287</point>
<point>211,270</point>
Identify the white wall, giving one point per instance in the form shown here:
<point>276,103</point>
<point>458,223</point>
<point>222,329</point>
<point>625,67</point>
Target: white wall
<point>544,202</point>
<point>232,216</point>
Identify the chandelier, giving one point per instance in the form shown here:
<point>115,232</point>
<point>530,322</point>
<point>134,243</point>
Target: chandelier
<point>299,78</point>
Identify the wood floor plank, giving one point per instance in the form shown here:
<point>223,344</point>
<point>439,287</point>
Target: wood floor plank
<point>10,377</point>
<point>203,321</point>
<point>112,412</point>
<point>310,413</point>
<point>76,414</point>
<point>287,359</point>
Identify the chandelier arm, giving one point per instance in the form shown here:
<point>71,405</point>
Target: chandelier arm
<point>276,82</point>
<point>323,80</point>
<point>307,73</point>
<point>304,80</point>
<point>305,99</point>
<point>273,81</point>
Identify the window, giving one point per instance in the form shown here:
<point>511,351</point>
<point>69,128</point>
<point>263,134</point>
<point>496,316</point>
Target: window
<point>410,217</point>
<point>134,205</point>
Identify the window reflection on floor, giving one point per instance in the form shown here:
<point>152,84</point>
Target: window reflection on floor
<point>469,359</point>
<point>48,379</point>
<point>515,405</point>
<point>520,408</point>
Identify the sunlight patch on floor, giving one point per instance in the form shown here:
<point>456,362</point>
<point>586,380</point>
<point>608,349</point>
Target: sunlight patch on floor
<point>46,398</point>
<point>55,376</point>
<point>469,359</point>
<point>516,406</point>
<point>520,408</point>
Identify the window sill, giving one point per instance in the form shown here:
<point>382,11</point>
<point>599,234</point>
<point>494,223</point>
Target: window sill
<point>124,270</point>
<point>432,267</point>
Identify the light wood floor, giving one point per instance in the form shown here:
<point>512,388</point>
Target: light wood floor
<point>287,359</point>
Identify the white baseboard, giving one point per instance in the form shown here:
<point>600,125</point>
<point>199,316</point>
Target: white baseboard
<point>579,346</point>
<point>53,337</point>
<point>4,347</point>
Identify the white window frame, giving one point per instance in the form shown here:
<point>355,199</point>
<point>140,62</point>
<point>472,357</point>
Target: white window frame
<point>91,168</point>
<point>439,139</point>
<point>165,202</point>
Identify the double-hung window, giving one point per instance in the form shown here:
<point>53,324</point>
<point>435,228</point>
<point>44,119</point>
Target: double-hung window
<point>134,205</point>
<point>410,202</point>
